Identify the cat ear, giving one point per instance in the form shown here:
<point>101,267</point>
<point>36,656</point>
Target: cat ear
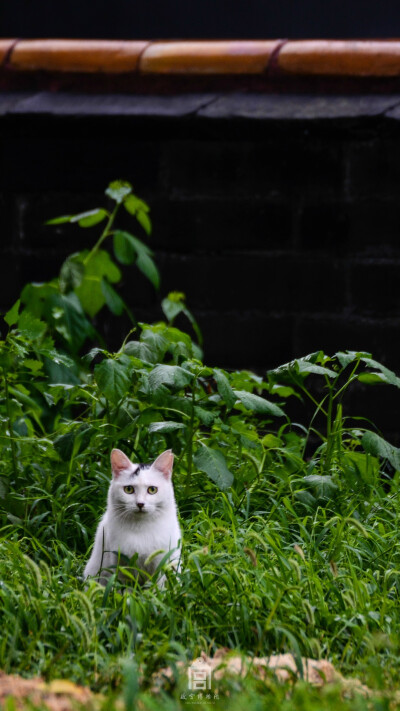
<point>119,462</point>
<point>164,463</point>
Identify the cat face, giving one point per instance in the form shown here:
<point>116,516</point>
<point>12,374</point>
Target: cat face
<point>140,491</point>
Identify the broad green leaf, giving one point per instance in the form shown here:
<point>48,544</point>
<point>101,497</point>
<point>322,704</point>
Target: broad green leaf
<point>71,274</point>
<point>224,388</point>
<point>64,445</point>
<point>133,204</point>
<point>127,247</point>
<point>59,220</point>
<point>147,266</point>
<point>173,304</point>
<point>388,375</point>
<point>345,358</point>
<point>113,379</point>
<point>70,320</point>
<point>89,291</point>
<point>165,426</point>
<point>33,365</point>
<point>213,463</point>
<point>124,250</point>
<point>113,300</point>
<point>118,190</point>
<point>90,218</point>
<point>292,365</point>
<point>30,327</point>
<point>304,367</point>
<point>172,375</point>
<point>258,404</point>
<point>379,447</point>
<point>11,317</point>
<point>271,441</point>
<point>323,486</point>
<point>144,220</point>
<point>372,378</point>
<point>151,347</point>
<point>206,417</point>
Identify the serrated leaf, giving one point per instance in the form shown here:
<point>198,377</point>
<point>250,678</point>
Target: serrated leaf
<point>258,404</point>
<point>147,266</point>
<point>33,365</point>
<point>172,375</point>
<point>90,217</point>
<point>30,327</point>
<point>213,463</point>
<point>224,388</point>
<point>113,300</point>
<point>11,317</point>
<point>379,447</point>
<point>113,379</point>
<point>165,426</point>
<point>118,190</point>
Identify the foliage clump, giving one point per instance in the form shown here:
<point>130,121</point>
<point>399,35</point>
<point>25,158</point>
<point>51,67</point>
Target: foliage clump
<point>290,530</point>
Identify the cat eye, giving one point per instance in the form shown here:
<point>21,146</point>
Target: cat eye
<point>129,489</point>
<point>152,490</point>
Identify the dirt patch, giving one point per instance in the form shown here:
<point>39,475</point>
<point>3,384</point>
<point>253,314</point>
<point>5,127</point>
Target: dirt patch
<point>57,695</point>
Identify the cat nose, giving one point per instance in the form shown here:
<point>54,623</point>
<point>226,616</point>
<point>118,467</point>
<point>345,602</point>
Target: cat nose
<point>139,505</point>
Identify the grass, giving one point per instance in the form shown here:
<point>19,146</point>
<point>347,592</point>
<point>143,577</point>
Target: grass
<point>261,576</point>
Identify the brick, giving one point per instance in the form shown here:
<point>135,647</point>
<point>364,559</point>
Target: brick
<point>10,280</point>
<point>220,224</point>
<point>257,340</point>
<point>325,228</point>
<point>35,209</point>
<point>374,227</point>
<point>268,282</point>
<point>275,167</point>
<point>66,161</point>
<point>355,58</point>
<point>207,57</point>
<point>374,167</point>
<point>108,56</point>
<point>374,286</point>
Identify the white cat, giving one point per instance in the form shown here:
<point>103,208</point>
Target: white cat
<point>141,517</point>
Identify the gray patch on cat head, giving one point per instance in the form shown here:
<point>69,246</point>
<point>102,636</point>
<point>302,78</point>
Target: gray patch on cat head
<point>140,468</point>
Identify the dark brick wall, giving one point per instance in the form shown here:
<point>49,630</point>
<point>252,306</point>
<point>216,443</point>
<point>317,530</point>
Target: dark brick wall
<point>285,235</point>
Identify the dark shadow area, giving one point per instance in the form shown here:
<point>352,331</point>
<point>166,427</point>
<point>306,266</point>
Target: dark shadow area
<point>202,19</point>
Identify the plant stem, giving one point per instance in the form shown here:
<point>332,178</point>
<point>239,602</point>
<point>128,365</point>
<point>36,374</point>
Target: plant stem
<point>10,429</point>
<point>189,457</point>
<point>103,235</point>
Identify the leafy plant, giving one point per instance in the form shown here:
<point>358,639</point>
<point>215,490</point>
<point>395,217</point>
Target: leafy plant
<point>291,529</point>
